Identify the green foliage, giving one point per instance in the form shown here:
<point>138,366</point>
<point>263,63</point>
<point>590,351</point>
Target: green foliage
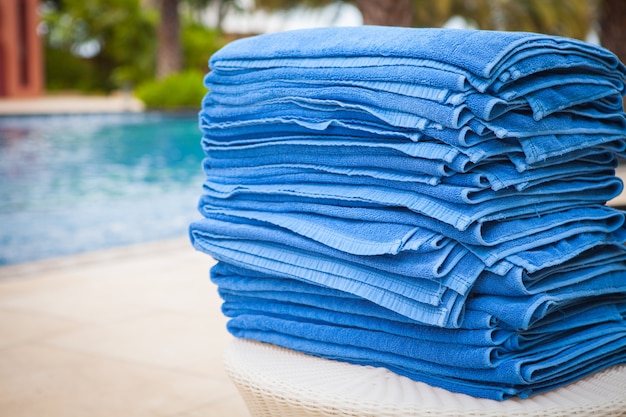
<point>199,43</point>
<point>116,38</point>
<point>174,92</point>
<point>75,74</point>
<point>288,4</point>
<point>123,33</point>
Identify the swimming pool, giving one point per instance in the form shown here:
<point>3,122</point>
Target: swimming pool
<point>76,183</point>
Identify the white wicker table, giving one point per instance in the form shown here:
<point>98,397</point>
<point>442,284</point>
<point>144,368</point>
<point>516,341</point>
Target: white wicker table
<point>277,382</point>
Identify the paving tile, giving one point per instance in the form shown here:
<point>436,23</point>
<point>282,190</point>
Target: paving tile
<point>85,301</point>
<point>179,342</point>
<point>185,293</point>
<point>129,331</point>
<point>115,285</point>
<point>42,381</point>
<point>229,406</point>
<point>20,328</point>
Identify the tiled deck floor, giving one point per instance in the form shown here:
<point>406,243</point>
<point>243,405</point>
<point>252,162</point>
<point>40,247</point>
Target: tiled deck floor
<point>134,331</point>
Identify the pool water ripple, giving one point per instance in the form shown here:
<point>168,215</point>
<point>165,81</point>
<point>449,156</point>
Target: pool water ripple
<point>75,183</point>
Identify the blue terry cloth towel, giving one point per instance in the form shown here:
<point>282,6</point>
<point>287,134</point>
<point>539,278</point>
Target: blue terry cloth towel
<point>479,328</point>
<point>454,213</point>
<point>595,262</point>
<point>487,232</point>
<point>366,279</point>
<point>422,185</point>
<point>540,67</point>
<point>288,297</point>
<point>509,376</point>
<point>352,236</point>
<point>430,159</point>
<point>497,166</point>
<point>543,94</point>
<point>575,131</point>
<point>398,108</point>
<point>548,142</point>
<point>452,267</point>
<point>481,56</point>
<point>375,237</point>
<point>398,337</point>
<point>356,313</point>
<point>265,308</point>
<point>487,151</point>
<point>244,281</point>
<point>537,149</point>
<point>298,315</point>
<point>428,286</point>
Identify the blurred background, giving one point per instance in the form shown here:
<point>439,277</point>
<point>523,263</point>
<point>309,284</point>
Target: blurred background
<point>158,49</point>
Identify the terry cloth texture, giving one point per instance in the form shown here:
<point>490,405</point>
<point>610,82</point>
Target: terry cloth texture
<point>430,201</point>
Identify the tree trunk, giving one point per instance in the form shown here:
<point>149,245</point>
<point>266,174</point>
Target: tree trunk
<point>386,12</point>
<point>613,27</point>
<point>169,54</point>
<point>222,9</point>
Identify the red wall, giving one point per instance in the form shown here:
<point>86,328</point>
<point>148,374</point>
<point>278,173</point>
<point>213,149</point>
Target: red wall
<point>21,63</point>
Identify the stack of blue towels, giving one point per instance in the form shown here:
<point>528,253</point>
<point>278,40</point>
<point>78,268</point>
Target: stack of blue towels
<point>430,201</point>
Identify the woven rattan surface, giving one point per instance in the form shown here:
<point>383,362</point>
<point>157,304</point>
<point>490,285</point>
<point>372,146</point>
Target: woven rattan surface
<point>277,382</point>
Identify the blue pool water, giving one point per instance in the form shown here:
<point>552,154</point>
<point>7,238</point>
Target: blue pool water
<point>76,183</point>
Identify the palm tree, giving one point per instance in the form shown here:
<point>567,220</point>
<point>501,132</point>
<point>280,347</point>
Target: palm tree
<point>386,12</point>
<point>612,22</point>
<point>169,51</point>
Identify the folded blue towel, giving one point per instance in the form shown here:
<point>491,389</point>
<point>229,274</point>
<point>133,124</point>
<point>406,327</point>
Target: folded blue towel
<point>538,150</point>
<point>549,100</point>
<point>237,282</point>
<point>460,216</point>
<point>578,68</point>
<point>522,313</point>
<point>245,293</point>
<point>515,125</point>
<point>545,93</point>
<point>440,279</point>
<point>578,222</point>
<point>407,74</point>
<point>353,237</point>
<point>496,167</point>
<point>241,280</point>
<point>224,88</point>
<point>419,342</point>
<point>519,282</point>
<point>564,250</point>
<point>422,187</point>
<point>399,110</point>
<point>482,56</point>
<point>424,158</point>
<point>424,149</point>
<point>505,175</point>
<point>485,232</point>
<point>573,131</point>
<point>421,300</point>
<point>513,375</point>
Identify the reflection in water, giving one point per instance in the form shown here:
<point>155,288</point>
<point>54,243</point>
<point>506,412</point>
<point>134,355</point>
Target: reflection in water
<point>75,183</point>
